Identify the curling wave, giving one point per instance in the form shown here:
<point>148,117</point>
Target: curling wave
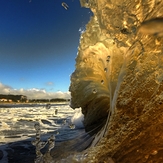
<point>118,79</point>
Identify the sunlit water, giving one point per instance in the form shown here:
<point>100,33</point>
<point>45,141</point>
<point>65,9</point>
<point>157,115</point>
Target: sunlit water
<point>118,78</point>
<point>60,121</point>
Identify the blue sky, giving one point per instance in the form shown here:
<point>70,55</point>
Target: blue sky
<point>38,43</point>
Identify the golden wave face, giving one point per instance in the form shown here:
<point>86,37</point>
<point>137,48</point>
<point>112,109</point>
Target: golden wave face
<point>119,72</point>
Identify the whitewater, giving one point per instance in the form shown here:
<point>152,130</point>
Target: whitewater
<point>17,127</point>
<point>118,85</point>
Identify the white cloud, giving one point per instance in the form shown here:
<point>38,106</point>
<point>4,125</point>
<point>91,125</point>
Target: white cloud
<point>49,83</point>
<point>33,93</point>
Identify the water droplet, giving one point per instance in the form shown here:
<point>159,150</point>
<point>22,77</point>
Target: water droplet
<point>51,141</point>
<point>102,81</point>
<point>41,145</point>
<point>56,111</point>
<point>85,60</point>
<point>38,135</point>
<point>105,69</point>
<point>57,132</point>
<point>65,5</point>
<point>51,138</point>
<point>72,126</point>
<point>85,154</point>
<point>154,152</point>
<point>94,91</point>
<point>34,142</point>
<point>108,58</point>
<point>124,31</point>
<point>64,122</point>
<point>51,146</point>
<point>37,126</point>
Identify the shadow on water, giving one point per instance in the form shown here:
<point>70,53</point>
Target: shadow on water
<point>67,142</point>
<point>67,148</point>
<point>24,152</point>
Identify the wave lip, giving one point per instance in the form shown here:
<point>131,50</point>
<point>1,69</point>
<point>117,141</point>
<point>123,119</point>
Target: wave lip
<point>118,80</point>
<point>94,81</point>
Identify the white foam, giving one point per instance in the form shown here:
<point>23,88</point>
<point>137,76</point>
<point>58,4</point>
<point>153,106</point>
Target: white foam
<point>19,121</point>
<point>78,118</point>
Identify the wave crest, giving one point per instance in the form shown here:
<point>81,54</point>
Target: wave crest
<point>118,77</point>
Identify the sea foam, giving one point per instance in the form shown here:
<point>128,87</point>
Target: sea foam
<point>78,118</point>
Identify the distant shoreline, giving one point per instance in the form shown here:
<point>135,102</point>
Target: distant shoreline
<point>9,104</point>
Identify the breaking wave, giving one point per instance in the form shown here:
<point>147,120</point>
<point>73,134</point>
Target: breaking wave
<point>78,118</point>
<point>117,84</point>
<point>118,77</point>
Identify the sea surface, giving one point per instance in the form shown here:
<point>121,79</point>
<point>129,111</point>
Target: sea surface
<point>17,125</point>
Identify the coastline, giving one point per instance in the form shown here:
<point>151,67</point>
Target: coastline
<point>9,104</point>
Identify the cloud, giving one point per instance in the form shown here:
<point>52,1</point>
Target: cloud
<point>4,89</point>
<point>33,93</point>
<point>49,83</point>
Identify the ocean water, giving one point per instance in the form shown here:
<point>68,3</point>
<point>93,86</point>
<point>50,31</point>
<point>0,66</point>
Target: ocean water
<point>118,74</point>
<point>118,78</point>
<point>59,120</point>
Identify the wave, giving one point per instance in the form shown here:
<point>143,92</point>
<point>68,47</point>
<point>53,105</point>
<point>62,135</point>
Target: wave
<point>77,119</point>
<point>118,78</point>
